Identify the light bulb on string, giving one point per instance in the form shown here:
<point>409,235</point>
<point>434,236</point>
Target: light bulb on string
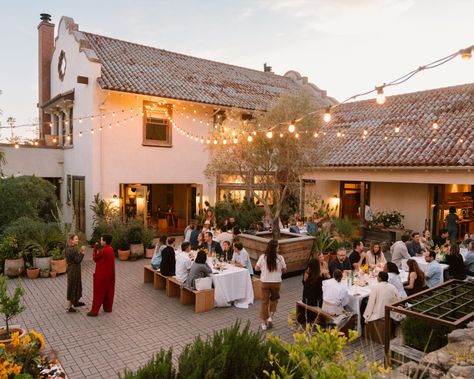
<point>17,146</point>
<point>92,131</point>
<point>215,142</point>
<point>103,116</point>
<point>80,121</point>
<point>281,135</point>
<point>55,140</point>
<point>92,118</point>
<point>435,125</point>
<point>202,140</point>
<point>466,54</point>
<point>365,132</point>
<point>380,99</point>
<point>385,138</point>
<point>80,134</point>
<point>297,135</point>
<point>235,140</point>
<point>292,127</point>
<point>249,138</point>
<point>338,134</point>
<point>397,129</point>
<point>461,140</point>
<point>100,128</point>
<point>269,134</point>
<point>36,143</point>
<point>68,138</point>
<point>110,126</point>
<point>327,115</point>
<point>224,141</point>
<point>51,124</point>
<point>113,114</point>
<point>315,135</point>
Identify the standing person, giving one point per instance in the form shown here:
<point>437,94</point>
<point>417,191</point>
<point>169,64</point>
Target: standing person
<point>454,259</point>
<point>452,220</point>
<point>272,265</point>
<point>434,272</point>
<point>104,276</point>
<point>74,257</point>
<point>168,258</point>
<point>189,230</point>
<point>313,284</point>
<point>323,267</point>
<point>399,251</point>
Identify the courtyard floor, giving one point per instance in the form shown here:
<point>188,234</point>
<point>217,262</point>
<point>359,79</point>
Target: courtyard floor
<point>143,320</point>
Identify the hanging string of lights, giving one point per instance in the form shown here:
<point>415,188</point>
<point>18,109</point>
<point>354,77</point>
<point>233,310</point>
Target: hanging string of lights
<point>235,134</point>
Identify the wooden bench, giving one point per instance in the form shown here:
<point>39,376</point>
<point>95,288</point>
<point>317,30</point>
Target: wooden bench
<point>203,300</point>
<point>257,288</point>
<point>173,287</point>
<point>322,318</point>
<point>151,275</point>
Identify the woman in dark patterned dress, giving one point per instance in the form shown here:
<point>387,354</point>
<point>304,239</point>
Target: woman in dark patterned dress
<point>74,258</point>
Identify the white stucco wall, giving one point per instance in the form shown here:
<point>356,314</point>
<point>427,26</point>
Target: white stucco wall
<point>39,161</point>
<point>412,200</point>
<point>326,189</point>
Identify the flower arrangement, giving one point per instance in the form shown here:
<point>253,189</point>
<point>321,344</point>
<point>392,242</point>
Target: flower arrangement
<point>388,219</point>
<point>22,355</point>
<point>365,268</point>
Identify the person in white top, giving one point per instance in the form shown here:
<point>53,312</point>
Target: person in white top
<point>271,265</point>
<point>394,278</point>
<point>183,262</point>
<point>335,294</point>
<point>189,229</point>
<point>375,257</point>
<point>224,235</point>
<point>383,293</point>
<point>241,258</point>
<point>399,251</point>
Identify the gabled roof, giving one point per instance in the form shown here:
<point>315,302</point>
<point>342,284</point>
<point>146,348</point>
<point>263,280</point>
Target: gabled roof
<point>416,144</point>
<point>134,68</point>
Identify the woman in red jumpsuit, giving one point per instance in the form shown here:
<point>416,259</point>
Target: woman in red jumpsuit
<point>104,276</point>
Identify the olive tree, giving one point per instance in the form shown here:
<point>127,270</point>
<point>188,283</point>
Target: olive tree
<point>270,150</point>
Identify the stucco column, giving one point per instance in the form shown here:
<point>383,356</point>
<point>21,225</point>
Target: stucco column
<point>67,113</point>
<point>60,128</point>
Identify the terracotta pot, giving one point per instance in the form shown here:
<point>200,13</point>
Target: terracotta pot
<point>32,273</point>
<point>7,341</point>
<point>42,262</point>
<point>123,255</point>
<point>149,253</point>
<point>53,274</point>
<point>14,267</point>
<point>44,273</point>
<point>60,266</point>
<point>137,248</point>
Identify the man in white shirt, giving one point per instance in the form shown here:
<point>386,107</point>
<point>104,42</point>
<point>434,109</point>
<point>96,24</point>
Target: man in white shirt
<point>434,272</point>
<point>335,294</point>
<point>383,293</point>
<point>241,257</point>
<point>399,251</point>
<point>183,262</point>
<point>224,235</point>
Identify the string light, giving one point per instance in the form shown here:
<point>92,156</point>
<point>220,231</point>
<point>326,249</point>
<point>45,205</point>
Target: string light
<point>80,134</point>
<point>281,135</point>
<point>236,140</point>
<point>17,146</point>
<point>435,125</point>
<point>338,134</point>
<point>315,135</point>
<point>466,54</point>
<point>397,129</point>
<point>269,134</point>
<point>380,99</point>
<point>249,139</point>
<point>55,140</point>
<point>365,132</point>
<point>327,115</point>
<point>292,127</point>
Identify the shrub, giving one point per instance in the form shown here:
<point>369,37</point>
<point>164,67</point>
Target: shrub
<point>228,353</point>
<point>9,249</point>
<point>160,366</point>
<point>245,213</point>
<point>423,335</point>
<point>388,219</point>
<point>10,306</point>
<point>26,196</point>
<point>148,235</point>
<point>135,231</point>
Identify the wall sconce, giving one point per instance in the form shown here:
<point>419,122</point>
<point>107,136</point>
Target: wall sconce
<point>115,196</point>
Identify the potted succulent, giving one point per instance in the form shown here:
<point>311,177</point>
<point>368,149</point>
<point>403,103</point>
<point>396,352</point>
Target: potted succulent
<point>44,272</point>
<point>12,255</point>
<point>32,272</point>
<point>58,264</point>
<point>10,307</point>
<point>135,234</point>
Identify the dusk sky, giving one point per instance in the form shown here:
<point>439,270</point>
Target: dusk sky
<point>343,46</point>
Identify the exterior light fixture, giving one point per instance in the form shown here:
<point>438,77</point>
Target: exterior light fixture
<point>380,99</point>
<point>466,54</point>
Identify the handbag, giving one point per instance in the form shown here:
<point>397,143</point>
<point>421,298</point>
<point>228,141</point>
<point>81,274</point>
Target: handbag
<point>203,283</point>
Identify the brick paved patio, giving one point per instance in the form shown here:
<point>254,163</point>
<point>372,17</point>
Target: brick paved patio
<point>143,320</point>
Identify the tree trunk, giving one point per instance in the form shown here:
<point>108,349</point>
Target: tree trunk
<point>276,228</point>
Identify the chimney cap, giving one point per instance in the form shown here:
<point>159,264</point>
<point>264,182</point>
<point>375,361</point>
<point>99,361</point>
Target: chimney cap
<point>45,17</point>
<point>267,68</point>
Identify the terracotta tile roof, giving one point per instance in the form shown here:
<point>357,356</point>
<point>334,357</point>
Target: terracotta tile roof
<point>147,70</point>
<point>451,107</point>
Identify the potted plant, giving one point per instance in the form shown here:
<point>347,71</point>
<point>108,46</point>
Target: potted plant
<point>53,273</point>
<point>148,236</point>
<point>32,272</point>
<point>135,236</point>
<point>11,254</point>
<point>10,307</point>
<point>45,238</point>
<point>123,248</point>
<point>133,256</point>
<point>58,264</point>
<point>44,272</point>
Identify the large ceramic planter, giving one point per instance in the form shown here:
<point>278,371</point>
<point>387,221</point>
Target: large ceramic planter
<point>42,262</point>
<point>60,266</point>
<point>14,267</point>
<point>149,253</point>
<point>137,248</point>
<point>123,255</point>
<point>7,341</point>
<point>32,273</point>
<point>295,248</point>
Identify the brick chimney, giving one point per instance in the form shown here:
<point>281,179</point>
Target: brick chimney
<point>45,54</point>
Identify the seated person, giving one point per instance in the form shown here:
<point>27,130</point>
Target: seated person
<point>224,235</point>
<point>441,239</point>
<point>212,247</point>
<point>382,294</point>
<point>168,258</point>
<point>434,272</point>
<point>335,295</point>
<point>183,262</point>
<point>260,227</point>
<point>193,238</point>
<point>227,251</point>
<point>414,246</point>
<point>416,278</point>
<point>293,227</point>
<point>156,259</point>
<point>394,278</point>
<point>341,262</point>
<point>375,257</point>
<point>311,226</point>
<point>357,256</point>
<point>199,269</point>
<point>454,259</point>
<point>323,267</point>
<point>399,251</point>
<point>241,258</point>
<point>469,260</point>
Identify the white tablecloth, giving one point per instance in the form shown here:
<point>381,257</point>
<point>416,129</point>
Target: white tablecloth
<point>422,263</point>
<point>233,284</point>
